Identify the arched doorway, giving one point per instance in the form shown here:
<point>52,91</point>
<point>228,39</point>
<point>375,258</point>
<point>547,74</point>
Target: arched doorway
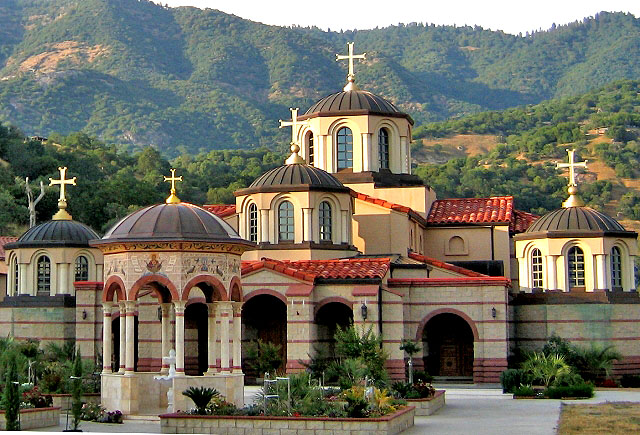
<point>196,322</point>
<point>115,340</point>
<point>448,346</point>
<point>264,317</point>
<point>327,319</point>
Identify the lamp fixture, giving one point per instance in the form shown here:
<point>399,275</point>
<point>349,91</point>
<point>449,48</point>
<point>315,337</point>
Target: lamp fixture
<point>364,311</point>
<point>493,312</point>
<point>84,314</point>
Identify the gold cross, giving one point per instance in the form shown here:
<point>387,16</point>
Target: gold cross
<point>62,182</point>
<point>294,124</point>
<point>572,165</point>
<point>351,57</point>
<point>173,198</point>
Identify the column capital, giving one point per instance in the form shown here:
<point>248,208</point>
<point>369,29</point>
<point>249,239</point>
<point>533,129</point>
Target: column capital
<point>223,306</point>
<point>179,306</point>
<point>106,308</point>
<point>166,308</point>
<point>237,308</point>
<point>131,306</point>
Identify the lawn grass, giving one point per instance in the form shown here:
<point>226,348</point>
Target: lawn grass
<point>604,418</point>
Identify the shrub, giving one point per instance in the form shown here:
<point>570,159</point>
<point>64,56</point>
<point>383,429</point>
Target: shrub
<point>264,357</point>
<point>630,381</point>
<point>514,378</point>
<point>349,372</point>
<point>568,380</point>
<point>422,376</point>
<point>418,390</point>
<point>201,397</point>
<point>596,361</point>
<point>11,396</point>
<point>356,402</point>
<point>35,399</point>
<point>584,389</point>
<point>366,346</point>
<point>524,391</point>
<point>545,368</point>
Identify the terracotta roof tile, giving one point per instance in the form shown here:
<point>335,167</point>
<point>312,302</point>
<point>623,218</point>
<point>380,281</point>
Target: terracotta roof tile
<point>220,210</point>
<point>4,241</point>
<point>495,209</point>
<point>443,265</point>
<point>310,270</point>
<point>390,205</point>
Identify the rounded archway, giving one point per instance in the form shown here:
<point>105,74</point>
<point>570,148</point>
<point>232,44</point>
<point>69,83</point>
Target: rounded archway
<point>264,317</point>
<point>448,346</point>
<point>328,318</point>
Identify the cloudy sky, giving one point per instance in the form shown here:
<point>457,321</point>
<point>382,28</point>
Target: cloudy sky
<point>512,16</point>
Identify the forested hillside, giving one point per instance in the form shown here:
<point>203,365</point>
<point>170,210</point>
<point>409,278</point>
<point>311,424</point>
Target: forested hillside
<point>183,79</point>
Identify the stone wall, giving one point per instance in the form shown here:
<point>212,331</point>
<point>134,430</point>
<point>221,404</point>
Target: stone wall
<point>35,418</point>
<point>47,318</point>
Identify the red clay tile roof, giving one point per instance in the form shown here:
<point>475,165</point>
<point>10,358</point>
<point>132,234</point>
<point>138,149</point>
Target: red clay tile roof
<point>390,205</point>
<point>310,270</point>
<point>443,265</point>
<point>220,210</point>
<point>4,241</point>
<point>496,209</point>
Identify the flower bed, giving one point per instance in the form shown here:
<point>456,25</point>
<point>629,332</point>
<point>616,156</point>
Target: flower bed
<point>221,424</point>
<point>35,418</point>
<point>429,405</point>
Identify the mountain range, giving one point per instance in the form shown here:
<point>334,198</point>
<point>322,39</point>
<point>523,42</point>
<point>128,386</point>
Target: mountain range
<point>183,79</point>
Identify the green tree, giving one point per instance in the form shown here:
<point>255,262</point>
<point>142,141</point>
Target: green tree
<point>11,395</point>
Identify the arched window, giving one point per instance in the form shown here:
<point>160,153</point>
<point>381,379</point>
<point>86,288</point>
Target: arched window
<point>576,267</point>
<point>82,269</point>
<point>536,269</point>
<point>311,153</point>
<point>325,221</point>
<point>15,271</point>
<point>285,222</point>
<point>252,222</point>
<point>345,148</point>
<point>44,276</point>
<point>383,148</point>
<point>616,267</point>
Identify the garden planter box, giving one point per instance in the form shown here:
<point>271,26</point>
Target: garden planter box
<point>63,401</point>
<point>35,418</point>
<point>389,424</point>
<point>430,405</point>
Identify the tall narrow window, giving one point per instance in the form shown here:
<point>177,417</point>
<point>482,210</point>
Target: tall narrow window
<point>616,267</point>
<point>536,269</point>
<point>253,223</point>
<point>325,221</point>
<point>285,222</point>
<point>311,154</point>
<point>383,148</point>
<point>44,276</point>
<point>82,269</point>
<point>576,267</point>
<point>345,148</point>
<point>16,281</point>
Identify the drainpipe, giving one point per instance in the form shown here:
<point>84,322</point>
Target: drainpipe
<point>492,244</point>
<point>380,309</point>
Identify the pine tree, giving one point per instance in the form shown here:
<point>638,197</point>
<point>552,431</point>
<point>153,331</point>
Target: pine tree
<point>11,397</point>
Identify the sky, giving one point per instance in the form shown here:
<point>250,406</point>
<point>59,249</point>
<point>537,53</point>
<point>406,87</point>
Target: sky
<point>511,16</point>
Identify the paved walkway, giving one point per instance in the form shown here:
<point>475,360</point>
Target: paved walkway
<point>470,410</point>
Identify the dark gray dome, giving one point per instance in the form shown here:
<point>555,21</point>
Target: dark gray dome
<point>575,219</point>
<point>355,102</point>
<point>62,233</point>
<point>171,222</point>
<point>294,177</point>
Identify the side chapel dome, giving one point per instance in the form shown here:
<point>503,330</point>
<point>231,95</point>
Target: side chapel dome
<point>295,177</point>
<point>354,102</point>
<point>583,219</point>
<point>172,222</point>
<point>55,233</point>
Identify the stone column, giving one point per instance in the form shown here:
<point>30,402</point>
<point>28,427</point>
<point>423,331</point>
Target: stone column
<point>179,307</point>
<point>106,337</point>
<point>264,226</point>
<point>129,367</point>
<point>237,337</point>
<point>345,226</point>
<point>99,273</point>
<point>552,272</point>
<point>366,153</point>
<point>123,337</point>
<point>63,279</point>
<point>22,274</point>
<point>320,152</point>
<point>211,337</point>
<point>166,334</point>
<point>601,272</point>
<point>404,156</point>
<point>307,223</point>
<point>224,312</point>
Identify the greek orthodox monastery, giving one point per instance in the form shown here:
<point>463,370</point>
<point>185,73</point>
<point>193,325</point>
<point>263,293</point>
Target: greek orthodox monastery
<point>341,233</point>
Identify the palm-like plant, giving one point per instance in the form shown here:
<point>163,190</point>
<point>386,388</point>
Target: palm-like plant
<point>201,397</point>
<point>546,367</point>
<point>596,361</point>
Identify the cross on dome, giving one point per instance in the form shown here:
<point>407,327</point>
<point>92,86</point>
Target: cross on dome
<point>62,213</point>
<point>573,200</point>
<point>294,124</point>
<point>351,77</point>
<point>173,198</point>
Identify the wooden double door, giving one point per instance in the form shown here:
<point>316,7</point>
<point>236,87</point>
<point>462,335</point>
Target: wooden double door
<point>449,344</point>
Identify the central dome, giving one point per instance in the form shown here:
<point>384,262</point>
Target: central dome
<point>171,222</point>
<point>294,177</point>
<point>583,219</point>
<point>354,102</point>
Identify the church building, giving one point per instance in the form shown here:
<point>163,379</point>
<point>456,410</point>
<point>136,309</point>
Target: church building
<point>341,233</point>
